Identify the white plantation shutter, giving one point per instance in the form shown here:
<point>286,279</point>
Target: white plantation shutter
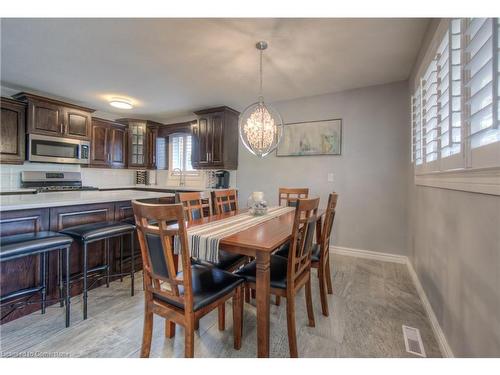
<point>480,55</point>
<point>181,145</point>
<point>430,113</point>
<point>416,114</point>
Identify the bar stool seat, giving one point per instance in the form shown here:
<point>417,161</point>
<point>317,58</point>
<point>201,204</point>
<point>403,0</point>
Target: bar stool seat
<point>89,233</point>
<point>21,245</point>
<point>37,243</point>
<point>98,231</point>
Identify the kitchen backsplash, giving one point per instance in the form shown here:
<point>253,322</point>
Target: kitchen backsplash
<point>10,176</point>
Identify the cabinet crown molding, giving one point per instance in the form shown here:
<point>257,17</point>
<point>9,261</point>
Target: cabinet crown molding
<point>25,96</point>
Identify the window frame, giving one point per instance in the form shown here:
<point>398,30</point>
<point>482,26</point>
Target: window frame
<point>474,170</point>
<point>195,174</point>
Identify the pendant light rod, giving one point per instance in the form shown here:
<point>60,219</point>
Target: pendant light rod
<point>261,46</point>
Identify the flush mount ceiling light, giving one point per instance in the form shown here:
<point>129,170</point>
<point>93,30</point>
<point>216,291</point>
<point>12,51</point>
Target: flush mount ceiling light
<point>120,103</point>
<point>260,125</point>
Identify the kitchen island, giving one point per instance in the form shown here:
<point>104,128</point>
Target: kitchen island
<point>25,213</point>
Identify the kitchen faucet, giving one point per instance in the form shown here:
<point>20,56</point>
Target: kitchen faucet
<point>182,177</point>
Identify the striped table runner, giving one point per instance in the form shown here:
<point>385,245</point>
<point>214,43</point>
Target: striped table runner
<point>203,240</point>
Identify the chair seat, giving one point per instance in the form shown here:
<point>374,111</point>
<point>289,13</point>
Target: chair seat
<point>283,252</point>
<point>98,231</point>
<point>226,260</point>
<point>278,271</point>
<point>20,245</point>
<point>209,285</point>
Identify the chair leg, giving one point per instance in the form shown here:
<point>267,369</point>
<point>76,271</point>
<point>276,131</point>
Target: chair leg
<point>169,328</point>
<point>132,264</point>
<point>121,258</point>
<point>43,277</point>
<point>60,272</point>
<point>328,276</point>
<point>322,291</point>
<point>147,333</point>
<point>309,305</point>
<point>68,288</point>
<point>278,300</point>
<point>196,324</point>
<point>85,292</point>
<point>290,321</point>
<point>189,338</point>
<point>247,294</point>
<point>106,254</point>
<point>252,291</point>
<point>221,314</point>
<point>238,317</point>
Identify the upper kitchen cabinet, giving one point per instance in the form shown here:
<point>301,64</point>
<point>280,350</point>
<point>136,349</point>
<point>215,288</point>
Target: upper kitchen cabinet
<point>52,117</point>
<point>109,144</point>
<point>142,136</point>
<point>215,139</point>
<point>12,131</point>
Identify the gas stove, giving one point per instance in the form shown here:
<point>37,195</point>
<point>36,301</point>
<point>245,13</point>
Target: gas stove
<point>47,182</point>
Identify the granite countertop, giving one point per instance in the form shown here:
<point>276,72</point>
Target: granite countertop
<point>73,198</point>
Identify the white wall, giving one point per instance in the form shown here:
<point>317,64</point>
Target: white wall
<point>371,175</point>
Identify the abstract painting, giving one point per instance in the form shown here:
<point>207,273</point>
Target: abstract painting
<point>311,138</point>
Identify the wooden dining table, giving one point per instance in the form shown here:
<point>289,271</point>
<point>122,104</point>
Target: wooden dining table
<point>259,241</point>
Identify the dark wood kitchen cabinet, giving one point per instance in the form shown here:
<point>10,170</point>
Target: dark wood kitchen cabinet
<point>215,139</point>
<point>12,131</point>
<point>109,144</point>
<point>142,135</point>
<point>52,117</point>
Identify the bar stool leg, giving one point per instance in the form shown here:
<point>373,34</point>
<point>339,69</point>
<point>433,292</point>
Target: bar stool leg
<point>43,275</point>
<point>121,258</point>
<point>106,246</point>
<point>132,264</point>
<point>84,280</point>
<point>61,283</point>
<point>68,286</point>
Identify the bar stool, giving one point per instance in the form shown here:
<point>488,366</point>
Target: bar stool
<point>88,233</point>
<point>38,243</point>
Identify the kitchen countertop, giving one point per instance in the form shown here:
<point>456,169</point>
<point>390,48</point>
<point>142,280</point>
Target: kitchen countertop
<point>162,187</point>
<point>73,198</point>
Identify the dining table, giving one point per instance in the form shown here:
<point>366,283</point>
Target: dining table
<point>259,242</point>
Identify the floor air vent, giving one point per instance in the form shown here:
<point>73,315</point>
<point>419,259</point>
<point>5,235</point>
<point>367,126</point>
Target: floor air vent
<point>413,341</point>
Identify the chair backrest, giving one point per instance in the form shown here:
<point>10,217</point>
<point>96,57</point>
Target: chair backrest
<point>299,257</point>
<point>328,224</point>
<point>157,251</point>
<point>225,200</point>
<point>196,205</point>
<point>289,196</point>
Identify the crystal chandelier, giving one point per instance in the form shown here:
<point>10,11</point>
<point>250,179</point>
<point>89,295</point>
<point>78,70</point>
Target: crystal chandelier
<point>260,125</point>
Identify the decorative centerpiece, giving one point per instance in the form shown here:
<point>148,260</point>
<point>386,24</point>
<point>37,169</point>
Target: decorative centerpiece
<point>256,203</point>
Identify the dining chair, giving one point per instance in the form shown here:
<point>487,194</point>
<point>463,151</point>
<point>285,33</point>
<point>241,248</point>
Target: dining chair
<point>196,205</point>
<point>179,297</point>
<point>289,196</point>
<point>320,255</point>
<point>225,200</point>
<point>289,275</point>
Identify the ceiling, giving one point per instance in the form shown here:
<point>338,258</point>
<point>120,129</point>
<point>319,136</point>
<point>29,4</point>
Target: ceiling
<point>169,67</point>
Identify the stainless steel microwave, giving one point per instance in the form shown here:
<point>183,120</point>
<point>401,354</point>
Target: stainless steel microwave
<point>43,148</point>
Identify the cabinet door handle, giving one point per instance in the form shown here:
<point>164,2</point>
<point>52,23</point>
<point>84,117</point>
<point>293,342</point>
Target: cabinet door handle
<point>62,128</point>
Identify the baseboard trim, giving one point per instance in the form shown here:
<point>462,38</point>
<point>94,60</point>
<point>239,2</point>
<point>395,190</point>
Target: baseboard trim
<point>368,254</point>
<point>387,257</point>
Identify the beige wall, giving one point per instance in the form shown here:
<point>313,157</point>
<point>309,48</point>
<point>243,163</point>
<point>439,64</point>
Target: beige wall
<point>371,175</point>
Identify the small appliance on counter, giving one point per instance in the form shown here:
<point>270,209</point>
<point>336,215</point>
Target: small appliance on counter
<point>53,181</point>
<point>222,179</point>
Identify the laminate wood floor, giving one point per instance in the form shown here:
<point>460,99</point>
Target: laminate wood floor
<point>370,303</point>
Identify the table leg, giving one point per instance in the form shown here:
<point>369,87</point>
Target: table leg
<point>262,286</point>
